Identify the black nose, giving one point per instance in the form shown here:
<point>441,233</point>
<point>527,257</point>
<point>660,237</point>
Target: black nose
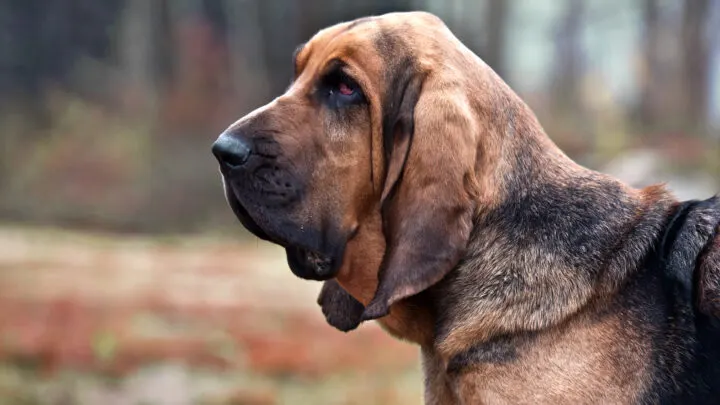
<point>231,151</point>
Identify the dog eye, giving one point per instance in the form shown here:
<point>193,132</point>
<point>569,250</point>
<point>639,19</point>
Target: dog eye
<point>345,89</point>
<point>341,90</point>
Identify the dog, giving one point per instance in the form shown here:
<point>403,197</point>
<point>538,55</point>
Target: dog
<point>401,171</point>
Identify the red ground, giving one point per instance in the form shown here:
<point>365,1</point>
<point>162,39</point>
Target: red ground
<point>102,305</point>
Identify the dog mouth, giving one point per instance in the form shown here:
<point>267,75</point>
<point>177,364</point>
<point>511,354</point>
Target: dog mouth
<point>304,262</point>
<point>320,262</point>
<point>310,265</point>
<point>243,215</point>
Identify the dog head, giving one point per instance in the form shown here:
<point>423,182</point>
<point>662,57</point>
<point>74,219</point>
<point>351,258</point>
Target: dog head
<point>366,169</point>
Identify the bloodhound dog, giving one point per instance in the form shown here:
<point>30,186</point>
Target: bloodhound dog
<point>399,169</point>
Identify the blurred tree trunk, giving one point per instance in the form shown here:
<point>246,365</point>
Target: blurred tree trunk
<point>714,76</point>
<point>245,45</point>
<point>570,118</point>
<point>651,92</point>
<point>568,56</point>
<point>136,50</point>
<point>495,47</point>
<point>695,62</point>
<point>676,68</point>
<point>279,44</point>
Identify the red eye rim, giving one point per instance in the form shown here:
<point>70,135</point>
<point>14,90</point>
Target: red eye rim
<point>345,90</point>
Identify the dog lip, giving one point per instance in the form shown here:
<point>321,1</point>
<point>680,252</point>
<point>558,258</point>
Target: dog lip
<point>305,261</point>
<point>228,171</point>
<point>242,214</point>
<point>254,226</point>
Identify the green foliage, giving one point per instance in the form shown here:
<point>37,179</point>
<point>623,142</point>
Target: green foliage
<point>105,346</point>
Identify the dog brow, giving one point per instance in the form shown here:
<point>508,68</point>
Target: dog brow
<point>296,53</point>
<point>359,21</point>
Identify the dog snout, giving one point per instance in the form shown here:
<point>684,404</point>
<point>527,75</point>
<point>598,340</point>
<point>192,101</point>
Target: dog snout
<point>232,150</point>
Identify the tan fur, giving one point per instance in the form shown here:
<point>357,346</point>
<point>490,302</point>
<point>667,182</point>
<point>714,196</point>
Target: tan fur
<point>583,362</point>
<point>476,148</point>
<point>499,317</point>
<point>466,96</point>
<point>439,387</point>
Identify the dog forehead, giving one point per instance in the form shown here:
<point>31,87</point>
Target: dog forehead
<point>364,32</point>
<point>344,35</point>
<point>356,47</point>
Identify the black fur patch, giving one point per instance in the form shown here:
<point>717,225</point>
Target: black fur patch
<point>580,222</point>
<point>500,350</point>
<point>574,220</point>
<point>686,342</point>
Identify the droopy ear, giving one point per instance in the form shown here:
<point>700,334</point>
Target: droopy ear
<point>341,310</point>
<point>426,209</point>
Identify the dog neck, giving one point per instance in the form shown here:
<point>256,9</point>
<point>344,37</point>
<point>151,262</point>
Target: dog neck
<point>554,239</point>
<point>557,238</point>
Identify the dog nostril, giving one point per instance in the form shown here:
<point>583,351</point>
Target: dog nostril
<point>231,151</point>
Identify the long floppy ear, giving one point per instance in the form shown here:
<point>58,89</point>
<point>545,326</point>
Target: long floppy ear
<point>426,208</point>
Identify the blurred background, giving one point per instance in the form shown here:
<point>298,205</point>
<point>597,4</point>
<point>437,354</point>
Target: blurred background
<point>125,279</point>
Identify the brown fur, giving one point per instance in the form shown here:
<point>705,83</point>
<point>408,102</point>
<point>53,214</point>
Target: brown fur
<point>464,229</point>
